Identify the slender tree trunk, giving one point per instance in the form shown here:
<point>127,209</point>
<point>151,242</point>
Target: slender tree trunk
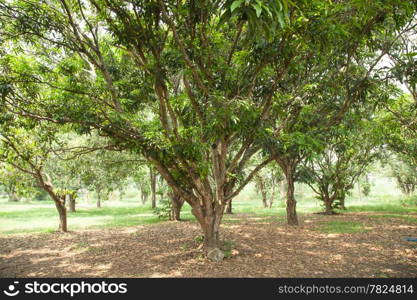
<point>359,191</point>
<point>59,203</point>
<point>153,187</point>
<point>98,200</point>
<point>292,218</point>
<point>261,186</point>
<point>264,198</point>
<point>71,201</point>
<point>13,197</point>
<point>283,189</point>
<point>229,208</point>
<point>143,194</point>
<point>272,196</point>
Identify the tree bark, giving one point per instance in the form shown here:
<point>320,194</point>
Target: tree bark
<point>272,196</point>
<point>210,223</point>
<point>98,200</point>
<point>229,208</point>
<point>292,218</point>
<point>176,205</point>
<point>59,203</point>
<point>143,193</point>
<point>153,187</point>
<point>71,202</point>
<point>62,211</point>
<point>261,186</point>
<point>328,208</point>
<point>283,190</point>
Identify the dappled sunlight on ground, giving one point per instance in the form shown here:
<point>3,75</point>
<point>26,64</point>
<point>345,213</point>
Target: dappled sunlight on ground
<point>261,247</point>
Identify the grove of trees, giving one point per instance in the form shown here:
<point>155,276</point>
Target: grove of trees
<point>194,100</point>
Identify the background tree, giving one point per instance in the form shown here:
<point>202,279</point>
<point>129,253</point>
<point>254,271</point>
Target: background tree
<point>103,171</point>
<point>28,151</point>
<point>141,178</point>
<point>16,184</point>
<point>267,182</point>
<point>352,147</point>
<point>405,173</point>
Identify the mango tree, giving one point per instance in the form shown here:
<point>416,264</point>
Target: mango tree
<point>27,151</point>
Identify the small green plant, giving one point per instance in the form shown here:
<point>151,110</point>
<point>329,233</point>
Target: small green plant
<point>94,249</point>
<point>82,245</point>
<point>199,239</point>
<point>228,247</point>
<point>409,201</point>
<point>163,211</point>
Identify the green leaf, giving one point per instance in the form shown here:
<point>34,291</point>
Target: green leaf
<point>235,5</point>
<point>258,9</point>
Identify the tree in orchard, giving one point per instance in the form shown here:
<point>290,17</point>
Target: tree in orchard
<point>103,170</point>
<point>141,178</point>
<point>398,117</point>
<point>398,122</point>
<point>266,182</point>
<point>188,85</point>
<point>328,80</point>
<point>404,171</point>
<point>27,151</point>
<point>350,149</point>
<point>64,168</point>
<point>16,184</point>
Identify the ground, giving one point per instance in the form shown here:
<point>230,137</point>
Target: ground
<point>353,244</point>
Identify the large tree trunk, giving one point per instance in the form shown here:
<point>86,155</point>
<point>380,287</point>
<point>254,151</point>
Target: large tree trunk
<point>328,206</point>
<point>206,199</point>
<point>210,223</point>
<point>176,205</point>
<point>153,187</point>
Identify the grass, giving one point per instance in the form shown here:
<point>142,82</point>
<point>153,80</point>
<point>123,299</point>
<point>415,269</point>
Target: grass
<point>341,227</point>
<point>406,218</point>
<point>41,216</point>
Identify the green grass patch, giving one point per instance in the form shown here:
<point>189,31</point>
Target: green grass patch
<point>406,218</point>
<point>42,217</point>
<point>341,227</point>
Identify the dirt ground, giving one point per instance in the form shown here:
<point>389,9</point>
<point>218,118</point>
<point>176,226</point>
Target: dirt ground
<point>259,247</point>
